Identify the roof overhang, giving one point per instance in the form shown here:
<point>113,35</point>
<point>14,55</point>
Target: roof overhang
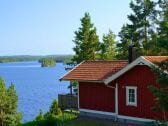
<point>61,78</point>
<point>139,61</point>
<point>95,81</point>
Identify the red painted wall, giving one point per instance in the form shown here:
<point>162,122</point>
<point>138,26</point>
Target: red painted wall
<point>140,76</point>
<point>96,96</point>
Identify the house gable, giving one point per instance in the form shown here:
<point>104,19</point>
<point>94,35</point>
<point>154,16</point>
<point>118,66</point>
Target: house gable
<point>140,77</point>
<point>139,61</point>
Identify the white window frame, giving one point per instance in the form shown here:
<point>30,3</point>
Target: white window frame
<point>128,103</point>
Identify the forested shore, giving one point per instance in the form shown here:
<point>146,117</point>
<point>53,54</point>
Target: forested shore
<point>22,58</point>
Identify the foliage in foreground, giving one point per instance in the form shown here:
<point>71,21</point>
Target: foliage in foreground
<point>161,92</point>
<point>52,118</point>
<point>52,121</point>
<point>8,105</point>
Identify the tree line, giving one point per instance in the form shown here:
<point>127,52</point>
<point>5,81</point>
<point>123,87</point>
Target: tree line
<point>22,58</point>
<point>147,30</point>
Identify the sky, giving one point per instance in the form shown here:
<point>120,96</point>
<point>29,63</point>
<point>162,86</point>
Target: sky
<point>46,27</point>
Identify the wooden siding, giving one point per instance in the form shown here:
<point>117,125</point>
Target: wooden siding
<point>96,96</point>
<point>140,76</point>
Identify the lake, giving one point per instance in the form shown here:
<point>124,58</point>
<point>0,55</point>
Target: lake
<point>36,86</point>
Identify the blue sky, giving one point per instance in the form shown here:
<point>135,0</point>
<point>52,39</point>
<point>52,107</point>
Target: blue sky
<point>44,27</point>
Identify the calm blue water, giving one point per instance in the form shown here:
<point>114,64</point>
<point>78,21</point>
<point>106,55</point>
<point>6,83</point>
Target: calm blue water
<point>35,86</point>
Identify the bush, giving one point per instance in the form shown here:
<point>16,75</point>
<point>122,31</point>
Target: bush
<point>40,117</point>
<point>54,111</point>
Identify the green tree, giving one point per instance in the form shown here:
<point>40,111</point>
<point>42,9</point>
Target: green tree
<point>140,29</point>
<point>40,117</point>
<point>8,106</point>
<point>163,27</point>
<point>54,111</point>
<point>108,46</point>
<point>86,41</point>
<point>47,62</point>
<point>143,19</point>
<point>125,42</point>
<point>3,99</point>
<point>161,92</point>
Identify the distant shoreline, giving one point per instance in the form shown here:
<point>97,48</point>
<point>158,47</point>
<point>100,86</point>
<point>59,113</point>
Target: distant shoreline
<point>23,58</point>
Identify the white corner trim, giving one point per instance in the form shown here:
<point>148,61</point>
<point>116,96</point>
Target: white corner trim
<point>97,112</point>
<point>135,118</point>
<point>71,70</point>
<point>116,99</point>
<point>141,59</point>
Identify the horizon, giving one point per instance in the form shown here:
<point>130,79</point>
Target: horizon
<point>47,27</point>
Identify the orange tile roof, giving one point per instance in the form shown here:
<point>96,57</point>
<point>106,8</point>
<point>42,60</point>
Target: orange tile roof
<point>95,70</point>
<point>156,59</point>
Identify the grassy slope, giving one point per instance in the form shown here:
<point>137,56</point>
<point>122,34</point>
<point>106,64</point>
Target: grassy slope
<point>66,123</point>
<point>70,120</point>
<point>82,123</point>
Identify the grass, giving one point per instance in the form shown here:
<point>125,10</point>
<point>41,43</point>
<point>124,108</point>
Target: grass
<point>70,120</point>
<point>77,122</point>
<point>73,120</point>
<point>52,122</point>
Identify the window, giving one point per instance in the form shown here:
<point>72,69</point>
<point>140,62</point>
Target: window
<point>131,96</point>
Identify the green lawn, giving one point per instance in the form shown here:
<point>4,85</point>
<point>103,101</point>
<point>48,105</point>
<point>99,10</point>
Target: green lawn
<point>81,123</point>
<point>73,120</point>
<point>70,120</point>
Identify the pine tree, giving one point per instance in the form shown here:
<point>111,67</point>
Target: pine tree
<point>3,99</point>
<point>40,117</point>
<point>143,20</point>
<point>53,112</point>
<point>141,27</point>
<point>8,106</point>
<point>86,41</point>
<point>108,51</point>
<point>163,27</point>
<point>161,92</point>
<point>125,42</point>
<point>54,108</point>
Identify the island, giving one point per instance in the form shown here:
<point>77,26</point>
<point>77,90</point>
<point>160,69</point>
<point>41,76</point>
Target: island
<point>47,62</point>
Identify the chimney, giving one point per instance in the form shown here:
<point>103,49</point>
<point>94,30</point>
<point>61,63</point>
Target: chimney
<point>131,53</point>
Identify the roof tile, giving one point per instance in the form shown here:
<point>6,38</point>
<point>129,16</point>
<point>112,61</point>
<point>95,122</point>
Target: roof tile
<point>95,70</point>
<point>155,59</point>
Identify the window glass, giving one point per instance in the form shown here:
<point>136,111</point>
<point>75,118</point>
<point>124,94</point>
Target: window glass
<point>131,95</point>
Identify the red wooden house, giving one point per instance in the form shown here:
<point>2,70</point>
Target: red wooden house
<point>117,89</point>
